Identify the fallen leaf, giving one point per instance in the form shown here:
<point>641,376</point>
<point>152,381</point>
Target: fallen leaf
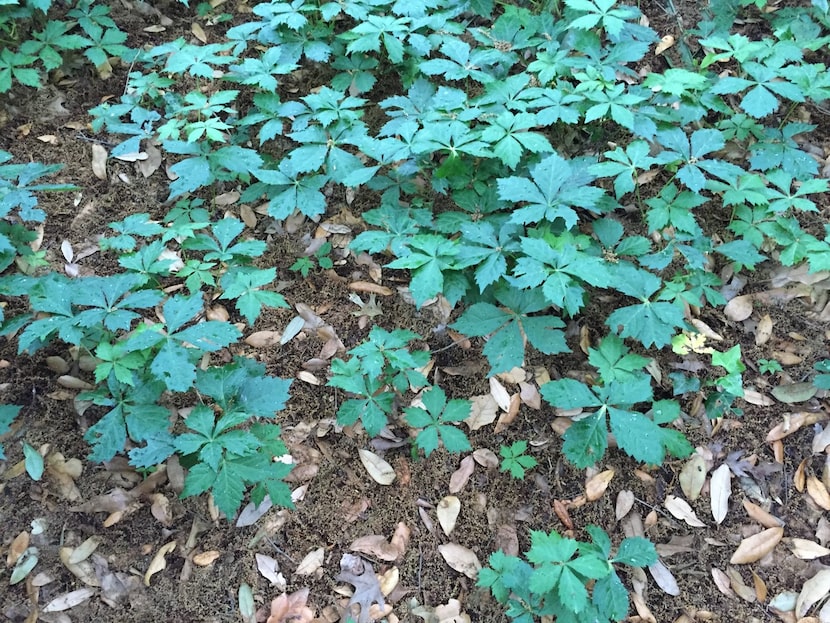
<point>664,44</point>
<point>755,547</point>
<point>664,578</point>
<point>380,471</point>
<point>739,308</point>
<point>793,422</point>
<point>681,510</point>
<point>739,586</point>
<point>461,559</point>
<point>483,411</point>
<point>447,511</point>
<point>794,392</point>
<point>159,561</point>
<point>99,161</point>
<point>818,492</point>
<point>764,518</point>
<point>207,558</point>
<point>720,489</point>
<point>68,600</point>
<point>693,477</point>
<point>19,545</point>
<point>269,568</point>
<point>722,582</point>
<point>596,486</point>
<point>198,32</point>
<point>625,502</point>
<point>361,575</point>
<point>486,458</point>
<point>807,550</point>
<point>377,546</point>
<point>814,589</point>
<point>291,608</point>
<point>460,476</point>
<point>311,562</point>
<point>763,331</point>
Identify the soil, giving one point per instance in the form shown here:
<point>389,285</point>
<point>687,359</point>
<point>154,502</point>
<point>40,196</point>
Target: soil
<point>340,502</point>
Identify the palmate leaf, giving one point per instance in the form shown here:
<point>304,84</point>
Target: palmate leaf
<point>554,188</point>
<point>511,325</point>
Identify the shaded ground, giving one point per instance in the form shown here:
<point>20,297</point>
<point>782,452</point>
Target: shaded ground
<point>341,502</point>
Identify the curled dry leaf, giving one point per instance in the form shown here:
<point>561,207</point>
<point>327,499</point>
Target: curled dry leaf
<point>447,511</point>
<point>507,417</point>
<point>205,559</point>
<point>793,422</point>
<point>499,394</point>
<point>681,510</point>
<point>377,546</point>
<point>596,486</point>
<point>461,559</point>
<point>720,489</point>
<point>380,471</point>
<point>664,44</point>
<point>693,476</point>
<point>159,561</point>
<point>311,562</point>
<point>755,547</point>
<point>269,568</point>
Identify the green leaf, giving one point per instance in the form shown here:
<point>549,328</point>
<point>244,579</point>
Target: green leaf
<point>586,440</point>
<point>34,462</point>
<point>7,415</point>
<point>569,394</point>
<point>571,590</point>
<point>636,552</point>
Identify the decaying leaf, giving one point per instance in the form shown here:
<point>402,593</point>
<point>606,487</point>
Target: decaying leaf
<point>377,546</point>
<point>794,392</point>
<point>291,608</point>
<point>814,589</point>
<point>664,578</point>
<point>461,559</point>
<point>367,590</point>
<point>311,562</point>
<point>818,492</point>
<point>681,510</point>
<point>380,471</point>
<point>269,568</point>
<point>625,502</point>
<point>720,489</point>
<point>755,547</point>
<point>447,511</point>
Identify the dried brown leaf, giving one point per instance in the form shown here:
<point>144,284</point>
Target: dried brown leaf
<point>375,545</point>
<point>482,412</point>
<point>763,517</point>
<point>664,578</point>
<point>19,545</point>
<point>205,559</point>
<point>508,416</point>
<point>291,608</point>
<point>486,458</point>
<point>595,488</point>
<point>722,582</point>
<point>763,331</point>
<point>664,44</point>
<point>68,600</point>
<point>814,589</point>
<point>755,547</point>
<point>807,550</point>
<point>625,502</point>
<point>739,308</point>
<point>459,477</point>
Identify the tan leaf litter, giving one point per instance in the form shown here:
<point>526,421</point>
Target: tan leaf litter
<point>755,547</point>
<point>159,562</point>
<point>766,519</point>
<point>739,308</point>
<point>377,546</point>
<point>459,477</point>
<point>461,559</point>
<point>681,510</point>
<point>720,488</point>
<point>807,550</point>
<point>693,477</point>
<point>69,600</point>
<point>291,608</point>
<point>483,411</point>
<point>486,458</point>
<point>269,568</point>
<point>447,511</point>
<point>625,502</point>
<point>311,562</point>
<point>380,471</point>
<point>596,486</point>
<point>99,161</point>
<point>814,589</point>
<point>763,331</point>
<point>818,492</point>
